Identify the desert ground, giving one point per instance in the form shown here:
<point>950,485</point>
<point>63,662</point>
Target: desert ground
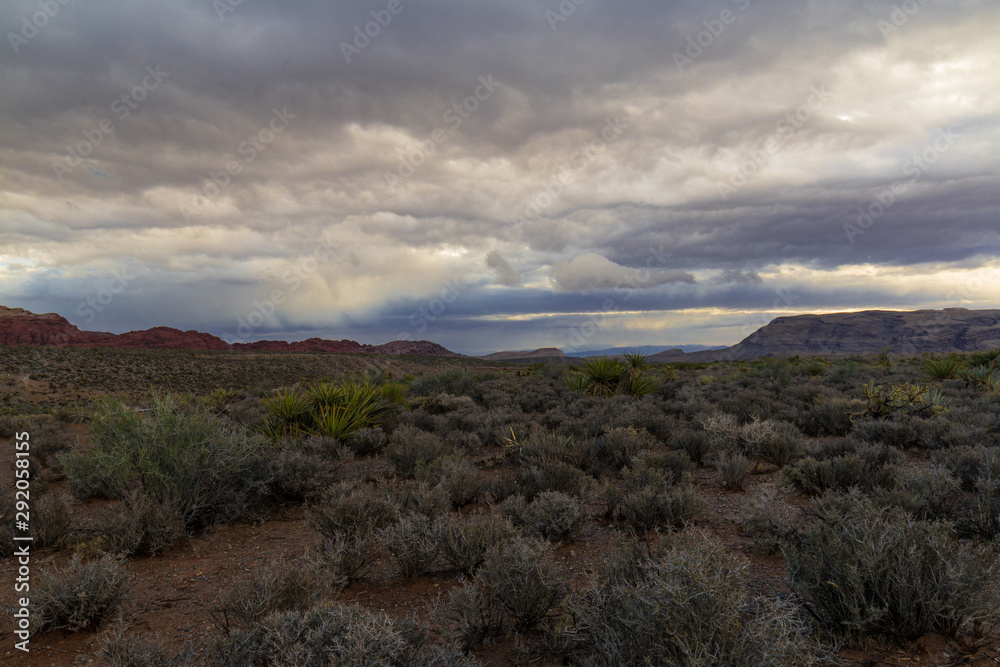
<point>219,508</point>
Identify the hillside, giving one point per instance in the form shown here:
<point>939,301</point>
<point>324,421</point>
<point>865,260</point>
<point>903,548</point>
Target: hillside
<point>865,332</point>
<point>22,327</point>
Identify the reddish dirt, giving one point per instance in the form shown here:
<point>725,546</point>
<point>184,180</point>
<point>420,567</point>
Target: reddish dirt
<point>173,590</point>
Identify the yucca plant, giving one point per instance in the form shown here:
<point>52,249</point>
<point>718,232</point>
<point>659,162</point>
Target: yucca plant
<point>361,405</point>
<point>988,358</point>
<point>287,411</point>
<point>946,368</point>
<point>608,376</point>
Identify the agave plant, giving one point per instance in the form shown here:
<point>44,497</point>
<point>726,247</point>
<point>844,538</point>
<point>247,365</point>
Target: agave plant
<point>982,376</point>
<point>286,412</point>
<point>608,376</point>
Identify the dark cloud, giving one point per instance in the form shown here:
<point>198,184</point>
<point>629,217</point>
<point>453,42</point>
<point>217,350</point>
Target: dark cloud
<point>772,146</point>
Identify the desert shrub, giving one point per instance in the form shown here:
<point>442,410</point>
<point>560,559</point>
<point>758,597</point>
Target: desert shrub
<point>49,520</point>
<point>551,516</point>
<point>696,444</point>
<point>867,570</point>
<point>514,589</point>
<point>346,509</point>
<point>49,441</point>
<point>410,447</point>
<point>722,430</point>
<point>455,381</point>
<point>177,455</point>
<point>502,487</point>
<point>690,604</point>
<point>828,417</point>
<point>465,541</point>
<point>971,464</point>
<point>927,494</point>
<point>545,447</point>
<point>495,426</point>
<point>368,441</point>
<point>647,499</point>
<point>944,368</point>
<point>899,431</point>
<point>766,518</point>
<point>267,588</point>
<point>777,443</point>
<point>345,557</point>
<point>414,497</point>
<point>554,476</point>
<point>80,595</point>
<point>618,445</point>
<point>459,479</point>
<point>412,543</point>
<point>335,634</point>
<point>142,526</point>
<point>121,650</point>
<point>734,469</point>
<point>677,465</point>
<point>867,470</point>
<point>299,470</point>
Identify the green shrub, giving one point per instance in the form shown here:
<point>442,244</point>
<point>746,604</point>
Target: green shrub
<point>410,447</point>
<point>696,444</point>
<point>945,368</point>
<point>647,499</point>
<point>927,494</point>
<point>347,509</point>
<point>767,519</point>
<point>79,596</point>
<point>335,634</point>
<point>413,497</point>
<point>554,476</point>
<point>868,470</point>
<point>971,464</point>
<point>828,417</point>
<point>689,605</point>
<point>514,589</point>
<point>459,479</point>
<point>734,470</point>
<point>551,516</point>
<point>867,570</point>
<point>465,541</point>
<point>412,544</point>
<point>299,470</point>
<point>324,409</point>
<point>138,650</point>
<point>176,455</point>
<point>368,441</point>
<point>142,526</point>
<point>268,588</point>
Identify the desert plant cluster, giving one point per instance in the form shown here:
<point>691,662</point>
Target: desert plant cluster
<point>771,512</point>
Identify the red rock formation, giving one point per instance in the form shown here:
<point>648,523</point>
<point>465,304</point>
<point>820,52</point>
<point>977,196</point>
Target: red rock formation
<point>22,327</point>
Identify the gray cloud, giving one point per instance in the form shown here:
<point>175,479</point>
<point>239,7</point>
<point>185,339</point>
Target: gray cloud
<point>732,161</point>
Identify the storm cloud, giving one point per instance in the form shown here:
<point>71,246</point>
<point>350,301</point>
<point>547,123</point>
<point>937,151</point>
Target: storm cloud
<point>359,159</point>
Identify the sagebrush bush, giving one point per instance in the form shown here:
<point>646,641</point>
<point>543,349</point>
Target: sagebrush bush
<point>927,494</point>
<point>412,543</point>
<point>79,595</point>
<point>368,441</point>
<point>551,516</point>
<point>970,464</point>
<point>619,445</point>
<point>867,570</point>
<point>647,499</point>
<point>734,470</point>
<point>828,417</point>
<point>514,589</point>
<point>869,469</point>
<point>456,476</point>
<point>409,447</point>
<point>142,526</point>
<point>414,497</point>
<point>465,541</point>
<point>677,465</point>
<point>49,520</point>
<point>347,509</point>
<point>766,518</point>
<point>554,476</point>
<point>299,470</point>
<point>688,605</point>
<point>137,650</point>
<point>335,634</point>
<point>176,454</point>
<point>267,588</point>
<point>696,444</point>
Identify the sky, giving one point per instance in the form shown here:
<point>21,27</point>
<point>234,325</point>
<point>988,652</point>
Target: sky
<point>496,175</point>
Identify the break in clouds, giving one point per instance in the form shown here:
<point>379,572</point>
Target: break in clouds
<point>673,171</point>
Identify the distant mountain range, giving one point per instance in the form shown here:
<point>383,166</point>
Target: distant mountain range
<point>833,334</point>
<point>22,327</point>
<point>865,332</point>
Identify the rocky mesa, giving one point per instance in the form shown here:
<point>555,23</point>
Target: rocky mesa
<point>864,332</point>
<point>23,327</point>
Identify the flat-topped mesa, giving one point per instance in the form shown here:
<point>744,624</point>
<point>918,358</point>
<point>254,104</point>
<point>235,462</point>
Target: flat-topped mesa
<point>863,332</point>
<point>540,353</point>
<point>22,327</point>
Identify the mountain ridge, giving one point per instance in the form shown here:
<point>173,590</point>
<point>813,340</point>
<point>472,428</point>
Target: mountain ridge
<point>23,327</point>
